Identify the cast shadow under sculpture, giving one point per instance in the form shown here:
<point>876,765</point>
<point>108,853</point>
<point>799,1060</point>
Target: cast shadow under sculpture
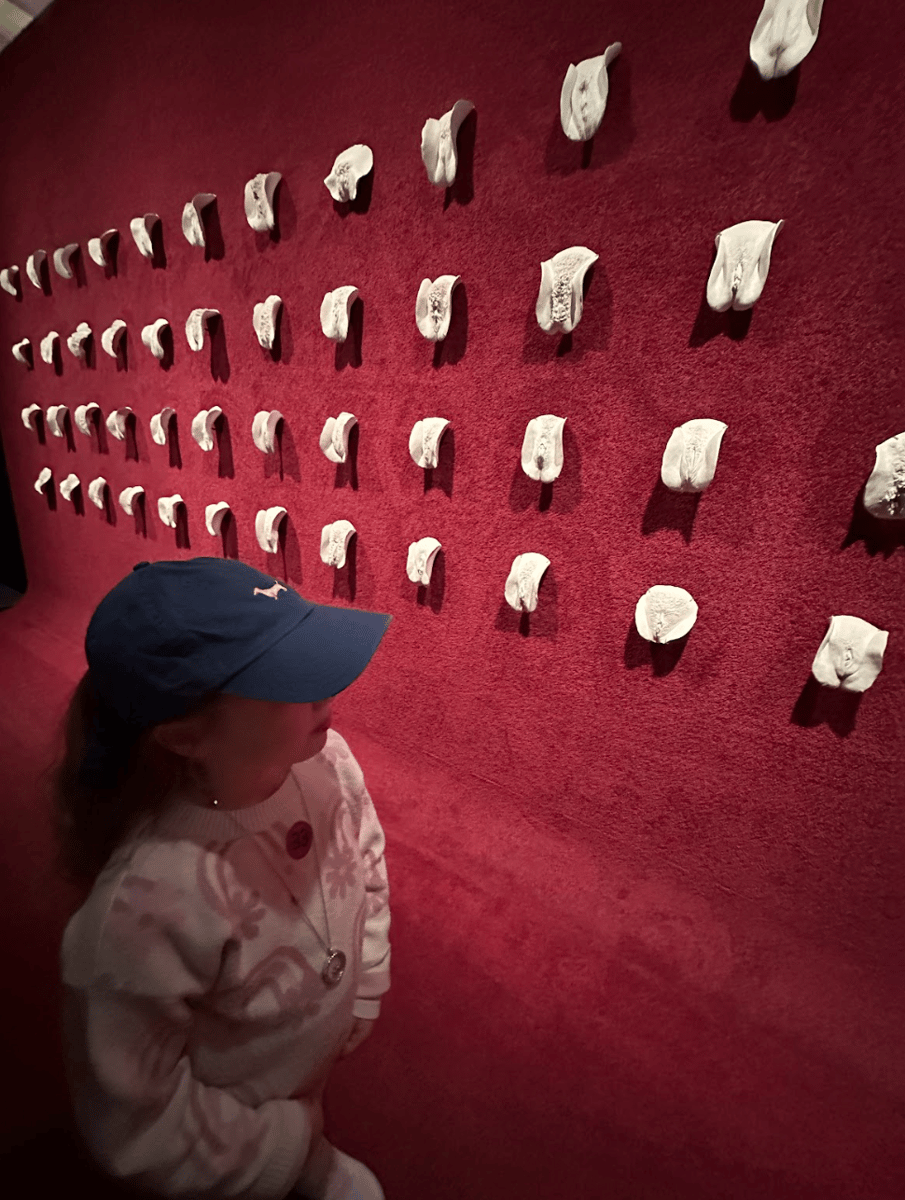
<point>433,594</point>
<point>462,190</point>
<point>364,191</point>
<point>348,353</point>
<point>214,245</point>
<point>43,272</point>
<point>878,536</point>
<point>220,369</point>
<point>168,342</point>
<point>613,139</point>
<point>661,657</point>
<point>526,493</point>
<point>77,267</point>
<point>452,349</point>
<point>111,253</point>
<point>441,476</point>
<point>121,358</point>
<point>88,361</point>
<point>821,705</point>
<point>158,251</point>
<point>666,509</point>
<point>709,324</point>
<point>773,97</point>
<point>345,578</point>
<point>346,473</point>
<point>543,622</point>
<point>281,347</point>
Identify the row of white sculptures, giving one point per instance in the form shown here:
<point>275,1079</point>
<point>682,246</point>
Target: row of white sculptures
<point>736,280</point>
<point>784,34</point>
<point>849,657</point>
<point>688,464</point>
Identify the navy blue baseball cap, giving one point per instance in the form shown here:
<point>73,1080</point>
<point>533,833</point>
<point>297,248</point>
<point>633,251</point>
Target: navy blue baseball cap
<point>170,632</point>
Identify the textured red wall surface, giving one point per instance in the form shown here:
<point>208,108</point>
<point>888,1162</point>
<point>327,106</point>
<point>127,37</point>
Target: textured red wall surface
<point>648,911</point>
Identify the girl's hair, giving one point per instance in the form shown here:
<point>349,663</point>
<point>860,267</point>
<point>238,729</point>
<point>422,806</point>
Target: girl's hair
<point>89,822</point>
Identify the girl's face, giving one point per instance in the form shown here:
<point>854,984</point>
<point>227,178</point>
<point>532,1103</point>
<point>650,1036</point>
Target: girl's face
<point>248,748</point>
<point>270,731</point>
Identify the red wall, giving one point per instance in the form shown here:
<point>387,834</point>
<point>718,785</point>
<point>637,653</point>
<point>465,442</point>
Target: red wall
<point>648,922</point>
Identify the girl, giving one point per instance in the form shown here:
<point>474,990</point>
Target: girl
<point>234,943</point>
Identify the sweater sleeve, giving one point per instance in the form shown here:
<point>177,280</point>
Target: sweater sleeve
<point>375,977</point>
<point>127,1011</point>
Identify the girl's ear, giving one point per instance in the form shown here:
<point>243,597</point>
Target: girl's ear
<point>179,735</point>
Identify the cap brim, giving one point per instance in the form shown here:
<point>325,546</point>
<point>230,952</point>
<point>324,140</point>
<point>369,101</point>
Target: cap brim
<point>319,658</point>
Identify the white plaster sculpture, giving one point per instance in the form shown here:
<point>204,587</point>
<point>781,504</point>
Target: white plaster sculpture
<point>84,414</point>
<point>850,655</point>
<point>350,166</point>
<point>335,309</point>
<point>424,441</point>
<point>150,336</point>
<point>785,33</point>
<point>198,322</point>
<point>76,340</point>
<point>68,486</point>
<point>264,319</point>
<point>335,540</point>
<point>433,308</point>
<point>192,225</point>
<point>334,439</point>
<point>97,247</point>
<point>142,232</point>
<point>420,561</point>
<point>21,351</point>
<point>689,460</point>
<point>664,614</point>
<point>203,426</point>
<point>560,301</point>
<point>160,423</point>
<point>742,261</point>
<point>56,419</point>
<point>542,448</point>
<point>27,415</point>
<point>43,479</point>
<point>49,345</point>
<point>9,279</point>
<point>62,259</point>
<point>96,490</point>
<point>213,517</point>
<point>111,338</point>
<point>523,581</point>
<point>438,143</point>
<point>127,499</point>
<point>582,100</point>
<point>267,528</point>
<point>33,265</point>
<point>117,421</point>
<point>259,194</point>
<point>264,429</point>
<point>166,509</point>
<point>884,495</point>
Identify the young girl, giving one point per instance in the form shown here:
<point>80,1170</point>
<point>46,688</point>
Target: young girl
<point>235,943</point>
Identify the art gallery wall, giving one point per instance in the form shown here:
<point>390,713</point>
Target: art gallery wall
<point>648,905</point>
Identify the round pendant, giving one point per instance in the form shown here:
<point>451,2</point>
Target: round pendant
<point>334,968</point>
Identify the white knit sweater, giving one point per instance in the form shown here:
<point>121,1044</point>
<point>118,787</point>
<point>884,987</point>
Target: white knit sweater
<point>194,1008</point>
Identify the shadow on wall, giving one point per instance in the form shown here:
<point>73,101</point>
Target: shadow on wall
<point>13,582</point>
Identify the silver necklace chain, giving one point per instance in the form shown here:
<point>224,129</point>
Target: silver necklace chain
<point>335,965</point>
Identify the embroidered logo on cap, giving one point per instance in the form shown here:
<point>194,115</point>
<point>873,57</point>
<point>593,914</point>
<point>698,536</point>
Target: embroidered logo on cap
<point>271,591</point>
